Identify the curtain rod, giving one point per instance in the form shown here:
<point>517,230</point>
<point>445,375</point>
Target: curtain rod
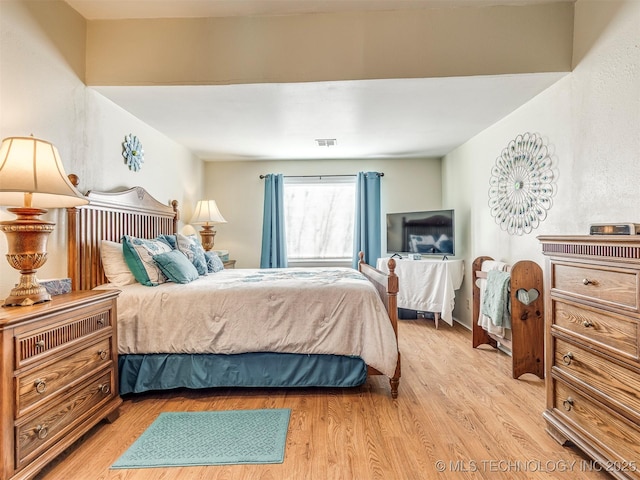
<point>318,176</point>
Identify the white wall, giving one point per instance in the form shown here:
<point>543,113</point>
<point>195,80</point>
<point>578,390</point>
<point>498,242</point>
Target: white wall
<point>349,45</point>
<point>407,185</point>
<point>591,122</point>
<point>42,49</point>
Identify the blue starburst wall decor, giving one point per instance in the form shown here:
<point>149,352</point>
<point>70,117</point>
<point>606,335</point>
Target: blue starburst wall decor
<point>133,152</point>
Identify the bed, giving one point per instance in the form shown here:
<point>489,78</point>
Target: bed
<point>343,344</point>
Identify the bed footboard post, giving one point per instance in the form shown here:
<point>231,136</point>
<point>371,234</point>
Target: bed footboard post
<point>387,286</point>
<point>392,295</point>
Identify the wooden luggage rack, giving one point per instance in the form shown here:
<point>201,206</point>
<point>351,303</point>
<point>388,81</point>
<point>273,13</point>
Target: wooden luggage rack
<point>527,319</point>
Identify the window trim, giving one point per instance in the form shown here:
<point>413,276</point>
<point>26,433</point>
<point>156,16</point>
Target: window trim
<point>319,179</point>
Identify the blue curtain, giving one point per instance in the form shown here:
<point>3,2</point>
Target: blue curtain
<point>366,237</point>
<point>274,241</point>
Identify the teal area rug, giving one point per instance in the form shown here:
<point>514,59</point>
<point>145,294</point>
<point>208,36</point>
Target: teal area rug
<point>177,439</point>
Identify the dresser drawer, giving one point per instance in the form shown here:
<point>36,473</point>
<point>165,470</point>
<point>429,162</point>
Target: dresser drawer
<point>31,346</point>
<point>37,434</point>
<point>616,382</point>
<point>615,332</point>
<point>39,384</point>
<point>618,437</point>
<point>615,287</point>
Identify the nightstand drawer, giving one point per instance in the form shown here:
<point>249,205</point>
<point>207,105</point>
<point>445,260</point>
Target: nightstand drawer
<point>615,287</point>
<point>43,382</point>
<point>45,429</point>
<point>617,383</point>
<point>601,425</point>
<point>33,345</point>
<point>615,332</point>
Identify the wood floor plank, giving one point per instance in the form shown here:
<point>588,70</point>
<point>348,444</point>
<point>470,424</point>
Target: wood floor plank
<point>459,415</point>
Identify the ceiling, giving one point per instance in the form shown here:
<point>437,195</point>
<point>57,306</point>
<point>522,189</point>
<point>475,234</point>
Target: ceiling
<point>368,119</point>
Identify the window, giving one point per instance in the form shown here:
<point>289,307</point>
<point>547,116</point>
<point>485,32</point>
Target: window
<point>319,217</point>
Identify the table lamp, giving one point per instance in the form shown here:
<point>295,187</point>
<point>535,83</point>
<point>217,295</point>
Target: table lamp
<point>207,215</point>
<point>32,179</point>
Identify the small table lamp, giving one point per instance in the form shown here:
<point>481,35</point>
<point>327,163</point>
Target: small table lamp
<point>31,179</point>
<point>207,214</point>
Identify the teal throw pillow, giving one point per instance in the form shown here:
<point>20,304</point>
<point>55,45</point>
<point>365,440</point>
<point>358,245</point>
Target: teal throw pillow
<point>190,246</point>
<point>176,266</point>
<point>214,263</point>
<point>138,253</point>
<point>169,240</point>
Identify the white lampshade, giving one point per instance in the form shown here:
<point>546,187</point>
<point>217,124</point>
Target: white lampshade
<point>207,213</point>
<point>31,175</point>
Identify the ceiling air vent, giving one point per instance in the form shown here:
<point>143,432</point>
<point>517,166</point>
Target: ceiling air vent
<point>326,142</point>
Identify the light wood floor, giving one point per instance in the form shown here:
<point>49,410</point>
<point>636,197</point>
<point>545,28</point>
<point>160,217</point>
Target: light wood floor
<point>459,415</point>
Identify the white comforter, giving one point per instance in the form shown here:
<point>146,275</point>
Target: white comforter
<point>294,310</point>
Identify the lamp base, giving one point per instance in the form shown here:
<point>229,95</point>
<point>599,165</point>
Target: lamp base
<point>28,292</point>
<point>27,251</point>
<point>207,235</point>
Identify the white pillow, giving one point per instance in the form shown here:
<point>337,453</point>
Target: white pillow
<point>114,265</point>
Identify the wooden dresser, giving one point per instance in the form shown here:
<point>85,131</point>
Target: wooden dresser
<point>592,305</point>
<point>59,377</point>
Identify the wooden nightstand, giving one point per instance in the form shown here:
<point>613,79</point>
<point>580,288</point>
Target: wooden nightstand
<point>229,264</point>
<point>58,376</point>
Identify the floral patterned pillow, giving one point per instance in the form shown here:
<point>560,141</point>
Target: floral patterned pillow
<point>214,262</point>
<point>190,246</point>
<point>138,253</point>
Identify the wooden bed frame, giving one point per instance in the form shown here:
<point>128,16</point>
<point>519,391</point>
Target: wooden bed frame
<point>109,216</point>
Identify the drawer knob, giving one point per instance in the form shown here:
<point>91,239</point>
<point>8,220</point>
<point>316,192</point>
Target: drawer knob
<point>42,431</point>
<point>586,281</point>
<point>103,354</point>
<point>40,344</point>
<point>101,321</point>
<point>587,324</point>
<point>104,388</point>
<point>41,385</point>
<point>567,357</point>
<point>568,404</point>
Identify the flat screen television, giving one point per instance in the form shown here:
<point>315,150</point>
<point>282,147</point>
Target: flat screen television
<point>427,233</point>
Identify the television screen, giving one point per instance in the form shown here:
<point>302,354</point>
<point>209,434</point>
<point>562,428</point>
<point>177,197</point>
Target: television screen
<point>426,233</point>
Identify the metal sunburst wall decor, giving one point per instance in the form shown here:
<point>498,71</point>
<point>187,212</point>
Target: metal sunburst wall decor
<point>133,152</point>
<point>521,185</point>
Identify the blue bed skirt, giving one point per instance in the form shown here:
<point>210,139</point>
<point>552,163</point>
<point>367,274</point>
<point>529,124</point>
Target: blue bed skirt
<point>141,373</point>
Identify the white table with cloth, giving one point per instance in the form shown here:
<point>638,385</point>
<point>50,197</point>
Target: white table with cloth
<point>427,285</point>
